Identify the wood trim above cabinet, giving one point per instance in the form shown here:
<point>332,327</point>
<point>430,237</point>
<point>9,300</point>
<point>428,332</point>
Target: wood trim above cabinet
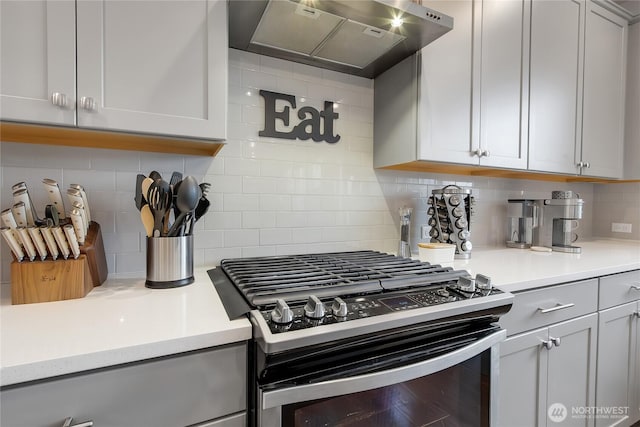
<point>454,169</point>
<point>76,137</point>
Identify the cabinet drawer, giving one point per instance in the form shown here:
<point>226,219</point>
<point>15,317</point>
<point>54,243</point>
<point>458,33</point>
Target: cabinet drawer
<point>238,420</point>
<point>169,392</point>
<point>542,307</point>
<point>619,289</point>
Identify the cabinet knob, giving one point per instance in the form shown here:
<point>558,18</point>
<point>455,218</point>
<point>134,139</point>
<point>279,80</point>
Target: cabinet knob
<point>547,344</point>
<point>486,153</point>
<point>478,152</point>
<point>637,314</point>
<point>69,420</point>
<point>87,103</point>
<point>587,164</point>
<point>59,99</point>
<point>555,341</point>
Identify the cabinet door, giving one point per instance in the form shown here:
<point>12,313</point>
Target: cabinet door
<point>501,117</point>
<point>444,121</point>
<point>618,361</point>
<point>523,380</point>
<point>37,59</point>
<point>153,66</point>
<point>604,95</point>
<point>572,367</point>
<point>555,97</point>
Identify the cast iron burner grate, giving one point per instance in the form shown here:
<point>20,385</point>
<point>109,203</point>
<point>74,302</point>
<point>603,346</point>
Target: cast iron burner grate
<point>263,280</point>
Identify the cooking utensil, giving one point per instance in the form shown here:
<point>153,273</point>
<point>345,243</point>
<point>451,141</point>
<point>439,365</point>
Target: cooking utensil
<point>189,194</point>
<point>176,177</point>
<point>155,175</point>
<point>22,196</point>
<point>137,196</point>
<point>20,214</point>
<point>85,201</point>
<point>85,222</point>
<point>72,239</point>
<point>50,241</point>
<point>54,196</point>
<point>61,240</point>
<point>159,198</point>
<point>27,244</point>
<point>202,208</point>
<point>51,213</point>
<point>23,186</point>
<point>146,183</point>
<point>36,237</point>
<point>204,187</point>
<point>7,233</point>
<point>147,219</point>
<point>78,225</point>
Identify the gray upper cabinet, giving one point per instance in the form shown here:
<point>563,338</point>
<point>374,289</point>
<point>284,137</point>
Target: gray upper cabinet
<point>557,35</point>
<point>150,67</point>
<point>158,67</point>
<point>632,109</point>
<point>576,103</point>
<point>604,93</point>
<point>38,61</point>
<point>463,98</point>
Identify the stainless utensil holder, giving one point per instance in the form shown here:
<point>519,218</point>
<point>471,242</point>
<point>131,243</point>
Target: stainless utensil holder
<point>169,262</point>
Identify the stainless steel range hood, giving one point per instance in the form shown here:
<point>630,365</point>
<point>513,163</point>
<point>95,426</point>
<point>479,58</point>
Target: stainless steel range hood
<point>358,37</point>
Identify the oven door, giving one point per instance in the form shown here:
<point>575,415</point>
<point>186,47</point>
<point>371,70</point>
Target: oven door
<point>457,388</point>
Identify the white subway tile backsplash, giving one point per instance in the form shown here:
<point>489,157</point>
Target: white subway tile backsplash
<point>273,196</point>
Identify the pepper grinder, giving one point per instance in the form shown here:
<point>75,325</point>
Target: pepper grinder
<point>404,248</point>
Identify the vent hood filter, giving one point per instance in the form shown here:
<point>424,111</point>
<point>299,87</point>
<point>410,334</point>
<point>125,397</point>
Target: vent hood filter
<point>294,27</point>
<point>357,45</point>
<point>349,36</point>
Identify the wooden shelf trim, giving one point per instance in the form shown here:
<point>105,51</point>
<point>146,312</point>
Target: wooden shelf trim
<point>433,167</point>
<point>76,137</point>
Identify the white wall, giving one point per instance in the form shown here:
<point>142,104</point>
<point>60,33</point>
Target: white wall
<point>271,196</point>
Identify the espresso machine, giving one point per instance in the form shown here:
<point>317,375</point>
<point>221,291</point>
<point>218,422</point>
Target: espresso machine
<point>556,220</point>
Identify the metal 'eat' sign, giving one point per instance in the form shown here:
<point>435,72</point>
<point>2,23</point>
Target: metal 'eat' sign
<point>314,124</point>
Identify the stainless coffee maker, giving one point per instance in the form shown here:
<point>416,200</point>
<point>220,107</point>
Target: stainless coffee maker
<point>557,220</point>
<point>521,218</point>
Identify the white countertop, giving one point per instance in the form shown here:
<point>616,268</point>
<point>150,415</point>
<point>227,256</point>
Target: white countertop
<point>518,269</point>
<point>122,321</point>
<point>118,322</point>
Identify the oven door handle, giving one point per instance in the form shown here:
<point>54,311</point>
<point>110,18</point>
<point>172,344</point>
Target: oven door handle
<point>308,392</point>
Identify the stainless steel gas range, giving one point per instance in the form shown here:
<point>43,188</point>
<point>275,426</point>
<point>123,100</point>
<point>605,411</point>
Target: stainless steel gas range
<point>366,339</point>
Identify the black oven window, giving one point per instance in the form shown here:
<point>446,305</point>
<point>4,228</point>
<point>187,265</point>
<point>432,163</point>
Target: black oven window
<point>455,397</point>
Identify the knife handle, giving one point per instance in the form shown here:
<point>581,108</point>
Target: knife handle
<point>85,201</point>
<point>72,239</point>
<point>7,233</point>
<point>23,234</point>
<point>8,219</point>
<point>36,236</point>
<point>50,241</point>
<point>78,206</point>
<point>20,214</point>
<point>61,240</point>
<point>78,225</point>
<point>22,196</point>
<point>54,195</point>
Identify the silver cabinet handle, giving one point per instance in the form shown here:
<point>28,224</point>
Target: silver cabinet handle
<point>478,152</point>
<point>69,420</point>
<point>587,164</point>
<point>637,314</point>
<point>580,164</point>
<point>555,308</point>
<point>59,99</point>
<point>635,287</point>
<point>486,153</point>
<point>87,103</point>
<point>555,341</point>
<point>547,344</point>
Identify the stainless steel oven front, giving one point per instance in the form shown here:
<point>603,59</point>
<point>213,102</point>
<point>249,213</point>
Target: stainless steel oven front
<point>418,377</point>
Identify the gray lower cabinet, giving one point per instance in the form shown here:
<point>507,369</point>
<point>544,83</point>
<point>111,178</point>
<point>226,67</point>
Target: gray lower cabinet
<point>618,382</point>
<point>548,361</point>
<point>543,369</point>
<point>204,388</point>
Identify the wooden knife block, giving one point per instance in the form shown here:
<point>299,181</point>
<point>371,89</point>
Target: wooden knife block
<point>48,280</point>
<point>93,248</point>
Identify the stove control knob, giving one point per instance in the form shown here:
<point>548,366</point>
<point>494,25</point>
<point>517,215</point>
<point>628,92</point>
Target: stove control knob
<point>281,314</point>
<point>339,307</point>
<point>466,284</point>
<point>483,282</point>
<point>314,309</point>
